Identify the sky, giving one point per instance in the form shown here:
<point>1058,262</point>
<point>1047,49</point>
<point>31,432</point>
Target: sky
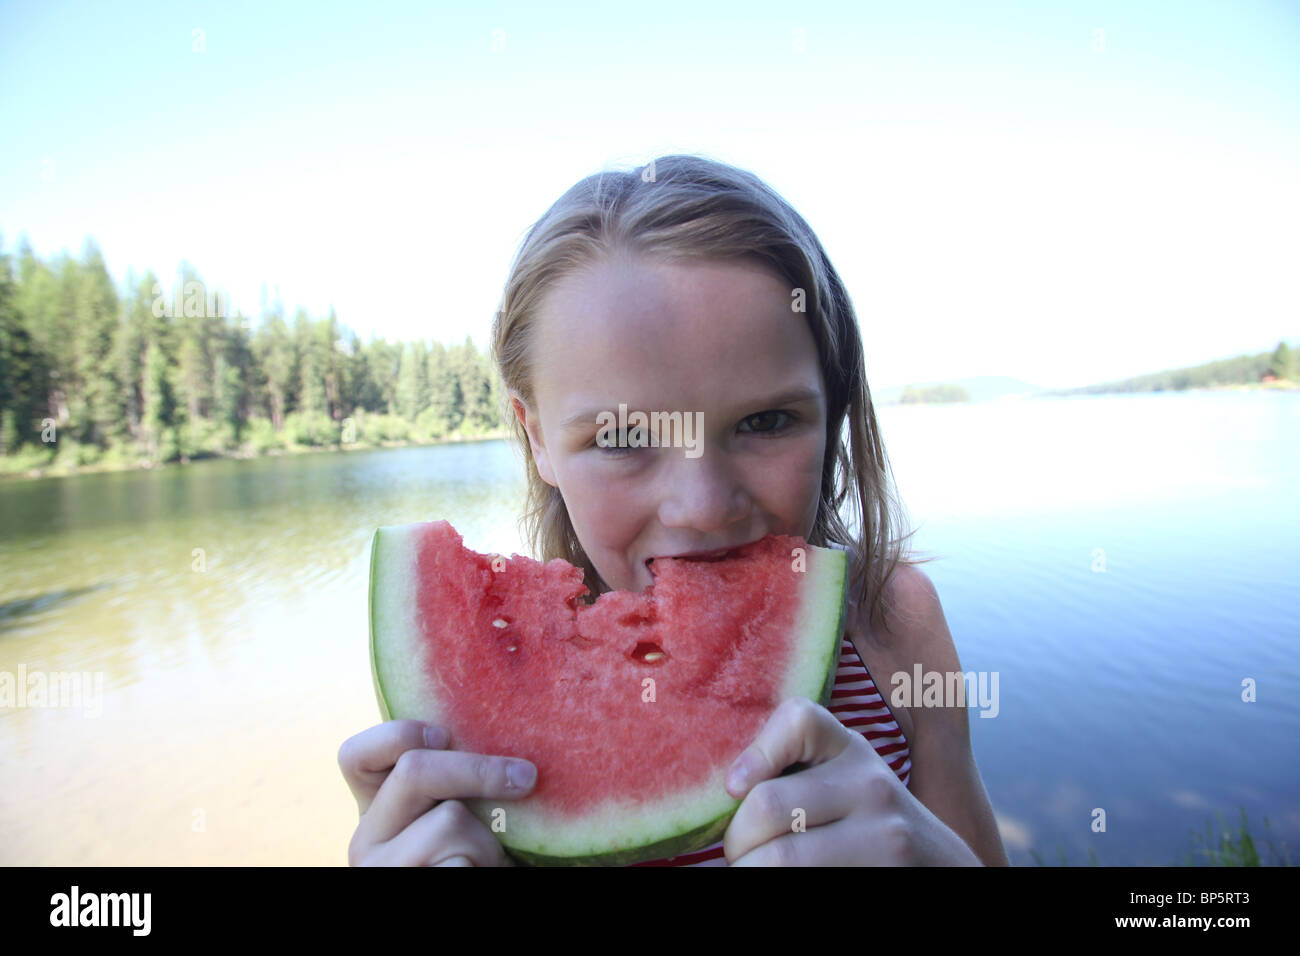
<point>1064,193</point>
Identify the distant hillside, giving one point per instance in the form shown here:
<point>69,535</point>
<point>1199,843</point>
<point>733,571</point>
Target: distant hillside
<point>979,388</point>
<point>1277,368</point>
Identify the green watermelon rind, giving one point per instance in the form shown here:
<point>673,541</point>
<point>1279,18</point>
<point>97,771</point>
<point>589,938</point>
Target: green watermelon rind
<point>370,618</point>
<point>812,676</point>
<point>696,839</point>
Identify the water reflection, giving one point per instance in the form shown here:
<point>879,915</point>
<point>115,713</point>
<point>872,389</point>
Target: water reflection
<point>224,605</point>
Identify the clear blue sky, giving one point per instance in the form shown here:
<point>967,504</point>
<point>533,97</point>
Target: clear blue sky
<point>1061,192</point>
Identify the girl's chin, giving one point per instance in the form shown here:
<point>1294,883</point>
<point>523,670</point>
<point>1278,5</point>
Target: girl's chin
<point>640,579</point>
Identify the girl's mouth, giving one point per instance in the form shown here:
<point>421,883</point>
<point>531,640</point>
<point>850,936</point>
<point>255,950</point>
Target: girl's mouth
<point>719,554</point>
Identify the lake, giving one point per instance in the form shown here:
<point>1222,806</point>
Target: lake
<point>1126,566</point>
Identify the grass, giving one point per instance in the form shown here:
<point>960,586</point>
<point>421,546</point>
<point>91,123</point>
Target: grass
<point>1233,848</point>
<point>27,458</point>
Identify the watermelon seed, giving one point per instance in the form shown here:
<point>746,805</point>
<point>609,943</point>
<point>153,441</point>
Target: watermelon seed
<point>648,653</point>
<point>512,648</point>
<point>500,622</point>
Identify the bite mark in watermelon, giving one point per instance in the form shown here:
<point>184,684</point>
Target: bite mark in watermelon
<point>632,708</point>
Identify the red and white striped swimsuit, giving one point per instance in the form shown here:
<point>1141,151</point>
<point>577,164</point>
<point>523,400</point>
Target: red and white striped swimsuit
<point>857,704</point>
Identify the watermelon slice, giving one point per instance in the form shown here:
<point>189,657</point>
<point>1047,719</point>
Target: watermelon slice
<point>632,708</point>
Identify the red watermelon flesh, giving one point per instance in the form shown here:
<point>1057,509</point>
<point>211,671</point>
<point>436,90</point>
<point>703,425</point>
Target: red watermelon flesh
<point>632,708</point>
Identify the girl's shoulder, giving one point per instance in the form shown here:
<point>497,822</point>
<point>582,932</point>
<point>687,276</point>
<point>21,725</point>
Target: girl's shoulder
<point>910,620</point>
<point>912,631</point>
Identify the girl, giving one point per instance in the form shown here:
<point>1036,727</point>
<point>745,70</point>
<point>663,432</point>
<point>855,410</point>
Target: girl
<point>690,286</point>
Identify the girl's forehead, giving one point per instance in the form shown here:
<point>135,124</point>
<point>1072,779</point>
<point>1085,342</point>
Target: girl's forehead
<point>659,305</point>
<point>695,328</point>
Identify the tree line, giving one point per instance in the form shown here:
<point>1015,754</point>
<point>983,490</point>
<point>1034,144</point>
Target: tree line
<point>932,394</point>
<point>161,372</point>
<point>1278,365</point>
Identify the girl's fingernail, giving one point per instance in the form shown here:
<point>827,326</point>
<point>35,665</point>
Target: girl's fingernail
<point>435,737</point>
<point>521,775</point>
<point>738,776</point>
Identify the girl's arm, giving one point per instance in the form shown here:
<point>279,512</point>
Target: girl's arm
<point>944,777</point>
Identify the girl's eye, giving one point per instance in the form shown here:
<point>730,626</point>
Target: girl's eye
<point>623,444</point>
<point>612,451</point>
<point>766,422</point>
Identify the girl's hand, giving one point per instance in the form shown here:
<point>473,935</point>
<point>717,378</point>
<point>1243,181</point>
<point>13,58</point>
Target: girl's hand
<point>846,808</point>
<point>408,788</point>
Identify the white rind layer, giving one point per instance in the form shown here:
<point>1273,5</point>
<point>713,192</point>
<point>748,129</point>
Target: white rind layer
<point>821,602</point>
<point>404,689</point>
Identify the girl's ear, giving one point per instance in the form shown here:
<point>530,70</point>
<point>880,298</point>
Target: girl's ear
<point>533,429</point>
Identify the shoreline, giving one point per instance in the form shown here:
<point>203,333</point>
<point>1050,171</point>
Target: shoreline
<point>1281,385</point>
<point>1278,386</point>
<point>145,464</point>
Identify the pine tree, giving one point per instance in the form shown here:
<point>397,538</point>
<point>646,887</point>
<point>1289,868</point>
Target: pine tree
<point>230,382</point>
<point>273,348</point>
<point>22,371</point>
<point>332,361</point>
<point>383,359</point>
<point>200,325</point>
<point>95,320</point>
<point>476,386</point>
<point>445,397</point>
<point>130,354</point>
<point>413,381</point>
<point>60,330</point>
<point>311,365</point>
<point>358,390</point>
<point>1282,364</point>
<point>159,399</point>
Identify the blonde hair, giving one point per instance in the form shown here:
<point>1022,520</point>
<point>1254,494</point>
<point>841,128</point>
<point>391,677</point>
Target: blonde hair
<point>690,206</point>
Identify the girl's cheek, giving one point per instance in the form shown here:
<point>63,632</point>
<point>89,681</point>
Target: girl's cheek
<point>602,505</point>
<point>806,466</point>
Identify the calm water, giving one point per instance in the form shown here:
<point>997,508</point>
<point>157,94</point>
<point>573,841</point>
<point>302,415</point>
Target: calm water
<point>1122,563</point>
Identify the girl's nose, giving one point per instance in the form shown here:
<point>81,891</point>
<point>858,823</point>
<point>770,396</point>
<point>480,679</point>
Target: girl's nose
<point>701,494</point>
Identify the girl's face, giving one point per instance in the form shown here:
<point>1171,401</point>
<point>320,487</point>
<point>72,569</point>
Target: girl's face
<point>717,342</point>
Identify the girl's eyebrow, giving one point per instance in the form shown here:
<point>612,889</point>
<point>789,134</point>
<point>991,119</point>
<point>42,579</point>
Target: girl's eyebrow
<point>791,396</point>
<point>584,418</point>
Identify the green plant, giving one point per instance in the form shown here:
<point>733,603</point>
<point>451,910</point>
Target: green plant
<point>261,436</point>
<point>1234,848</point>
